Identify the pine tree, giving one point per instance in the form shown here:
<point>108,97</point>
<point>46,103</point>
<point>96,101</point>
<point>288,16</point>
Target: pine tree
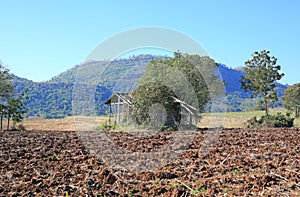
<point>261,74</point>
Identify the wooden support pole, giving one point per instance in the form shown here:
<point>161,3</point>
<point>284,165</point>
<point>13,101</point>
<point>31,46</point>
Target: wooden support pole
<point>118,110</point>
<point>127,115</point>
<point>110,113</point>
<point>115,113</point>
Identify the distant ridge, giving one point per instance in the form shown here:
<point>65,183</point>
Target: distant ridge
<point>53,98</point>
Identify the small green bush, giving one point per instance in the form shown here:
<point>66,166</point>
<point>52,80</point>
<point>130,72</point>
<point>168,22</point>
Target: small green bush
<point>106,126</point>
<point>278,120</point>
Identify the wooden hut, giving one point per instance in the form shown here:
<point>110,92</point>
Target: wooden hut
<point>120,107</point>
<point>191,111</point>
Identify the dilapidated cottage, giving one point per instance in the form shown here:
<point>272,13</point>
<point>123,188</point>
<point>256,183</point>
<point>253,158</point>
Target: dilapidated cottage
<point>120,107</point>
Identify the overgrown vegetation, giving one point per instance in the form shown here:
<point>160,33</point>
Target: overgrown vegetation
<point>153,105</point>
<point>107,126</point>
<point>277,120</point>
<point>190,78</point>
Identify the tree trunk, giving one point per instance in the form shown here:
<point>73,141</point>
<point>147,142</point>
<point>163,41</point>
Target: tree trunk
<point>8,119</point>
<point>267,107</point>
<point>1,119</point>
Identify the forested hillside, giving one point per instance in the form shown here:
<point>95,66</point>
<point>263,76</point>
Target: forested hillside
<point>53,98</point>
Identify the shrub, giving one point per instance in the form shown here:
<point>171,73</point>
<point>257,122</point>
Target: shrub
<point>21,127</point>
<point>106,126</point>
<point>278,120</point>
<point>17,127</point>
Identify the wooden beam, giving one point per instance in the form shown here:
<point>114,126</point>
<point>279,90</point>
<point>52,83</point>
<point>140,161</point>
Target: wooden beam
<point>184,103</point>
<point>110,113</point>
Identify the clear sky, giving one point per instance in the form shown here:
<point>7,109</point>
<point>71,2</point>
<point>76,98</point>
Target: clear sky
<point>40,39</point>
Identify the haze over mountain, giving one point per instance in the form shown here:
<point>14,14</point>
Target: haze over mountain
<point>53,98</point>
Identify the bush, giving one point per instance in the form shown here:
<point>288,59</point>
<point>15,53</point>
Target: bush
<point>106,126</point>
<point>151,101</point>
<point>17,127</point>
<point>278,120</point>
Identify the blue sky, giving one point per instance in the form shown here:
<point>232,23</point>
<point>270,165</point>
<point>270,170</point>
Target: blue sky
<point>40,39</point>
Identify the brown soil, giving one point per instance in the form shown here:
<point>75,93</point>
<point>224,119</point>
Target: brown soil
<point>242,162</point>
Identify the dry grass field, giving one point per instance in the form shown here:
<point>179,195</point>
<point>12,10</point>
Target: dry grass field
<point>234,119</point>
<point>63,124</point>
<point>208,120</point>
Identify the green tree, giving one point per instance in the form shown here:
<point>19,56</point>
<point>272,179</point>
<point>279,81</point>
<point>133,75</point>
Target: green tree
<point>6,91</point>
<point>6,87</point>
<point>291,98</point>
<point>16,108</point>
<point>190,78</point>
<point>261,74</point>
<point>12,107</point>
<point>148,96</point>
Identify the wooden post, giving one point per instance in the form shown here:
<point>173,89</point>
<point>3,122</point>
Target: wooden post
<point>127,114</point>
<point>115,113</point>
<point>118,110</point>
<point>123,115</point>
<point>110,113</point>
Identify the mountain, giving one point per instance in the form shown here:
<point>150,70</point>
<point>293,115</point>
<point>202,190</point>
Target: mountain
<point>53,98</point>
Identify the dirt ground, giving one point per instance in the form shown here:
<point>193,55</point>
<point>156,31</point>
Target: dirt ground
<point>238,162</point>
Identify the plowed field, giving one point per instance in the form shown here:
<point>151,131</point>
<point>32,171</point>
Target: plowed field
<point>241,162</point>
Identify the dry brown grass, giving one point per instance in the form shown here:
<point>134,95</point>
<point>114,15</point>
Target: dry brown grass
<point>76,123</point>
<point>64,124</point>
<point>234,119</point>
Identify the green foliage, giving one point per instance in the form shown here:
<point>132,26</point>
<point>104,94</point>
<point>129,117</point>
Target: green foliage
<point>6,87</point>
<point>191,77</point>
<point>53,98</point>
<point>146,111</point>
<point>18,108</point>
<point>277,120</point>
<point>291,98</point>
<point>6,91</point>
<point>106,126</point>
<point>261,73</point>
<point>11,105</point>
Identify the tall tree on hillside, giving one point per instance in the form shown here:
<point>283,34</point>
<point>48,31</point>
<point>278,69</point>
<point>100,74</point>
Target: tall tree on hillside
<point>6,91</point>
<point>261,74</point>
<point>291,98</point>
